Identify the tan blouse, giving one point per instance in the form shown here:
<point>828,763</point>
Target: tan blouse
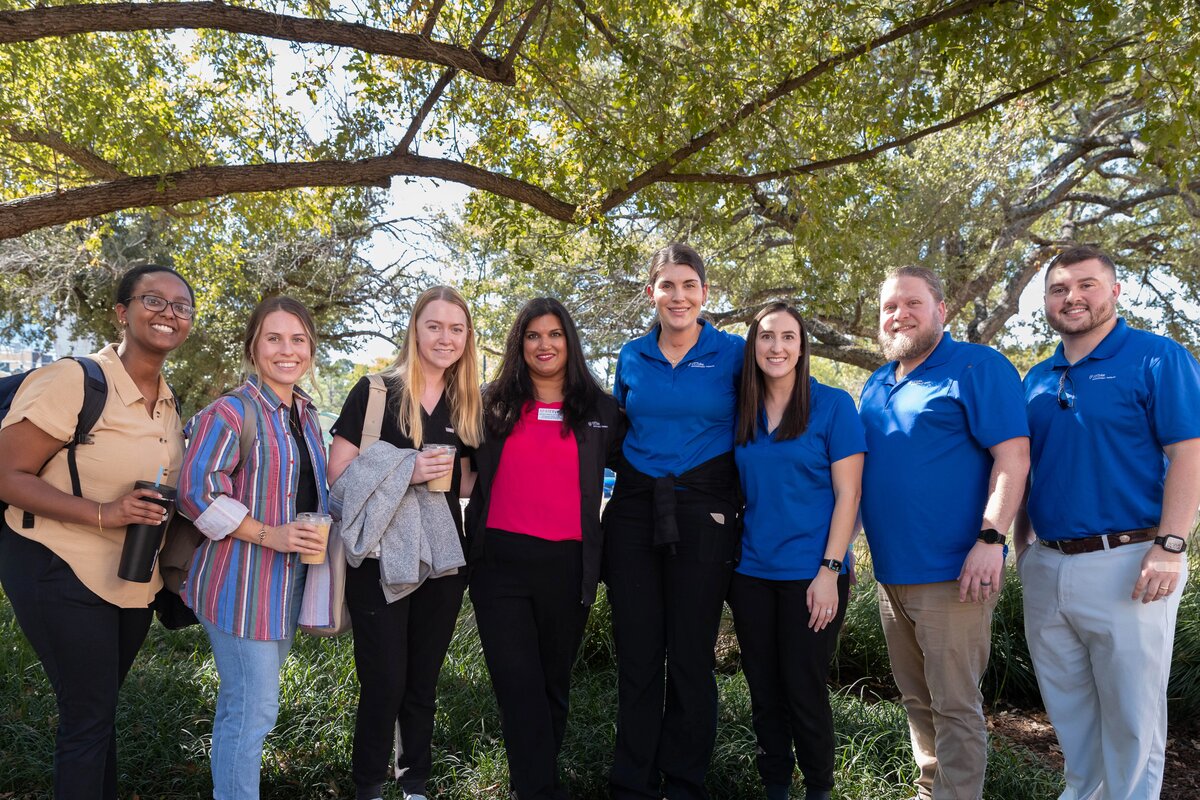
<point>129,445</point>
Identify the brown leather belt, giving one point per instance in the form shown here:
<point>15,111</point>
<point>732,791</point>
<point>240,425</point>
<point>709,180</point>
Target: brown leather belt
<point>1091,544</point>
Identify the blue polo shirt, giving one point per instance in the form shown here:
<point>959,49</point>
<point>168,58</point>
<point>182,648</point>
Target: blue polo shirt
<point>925,479</point>
<point>1098,466</point>
<point>789,487</point>
<point>682,416</point>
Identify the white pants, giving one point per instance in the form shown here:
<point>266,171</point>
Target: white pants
<point>1102,663</point>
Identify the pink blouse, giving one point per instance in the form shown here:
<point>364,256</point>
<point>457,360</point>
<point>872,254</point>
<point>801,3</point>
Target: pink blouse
<point>536,490</point>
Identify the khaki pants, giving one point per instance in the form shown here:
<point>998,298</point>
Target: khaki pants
<point>939,649</point>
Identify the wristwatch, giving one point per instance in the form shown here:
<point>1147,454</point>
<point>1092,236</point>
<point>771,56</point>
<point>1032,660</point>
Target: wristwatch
<point>1171,543</point>
<point>833,564</point>
<point>990,536</point>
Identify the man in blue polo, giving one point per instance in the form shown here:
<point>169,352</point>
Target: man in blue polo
<point>947,458</point>
<point>1114,487</point>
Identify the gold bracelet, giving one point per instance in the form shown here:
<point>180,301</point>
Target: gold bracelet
<point>99,520</point>
<point>262,535</point>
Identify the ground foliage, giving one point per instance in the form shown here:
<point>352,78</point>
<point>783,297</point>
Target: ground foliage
<point>165,724</point>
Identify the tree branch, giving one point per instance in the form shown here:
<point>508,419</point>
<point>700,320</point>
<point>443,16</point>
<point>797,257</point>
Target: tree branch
<point>598,23</point>
<point>51,21</point>
<point>435,93</point>
<point>18,217</point>
<point>423,112</point>
<point>1126,205</point>
<point>660,170</point>
<point>870,360</point>
<point>986,328</point>
<point>518,40</point>
<point>861,155</point>
<point>431,18</point>
<point>94,164</point>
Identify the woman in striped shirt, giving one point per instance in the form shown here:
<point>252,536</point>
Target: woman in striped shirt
<point>246,580</point>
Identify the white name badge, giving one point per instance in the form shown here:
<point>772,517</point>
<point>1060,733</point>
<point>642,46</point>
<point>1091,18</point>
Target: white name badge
<point>550,415</point>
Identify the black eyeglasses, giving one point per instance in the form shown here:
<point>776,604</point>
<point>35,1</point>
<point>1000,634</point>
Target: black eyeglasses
<point>153,302</point>
<point>1066,390</point>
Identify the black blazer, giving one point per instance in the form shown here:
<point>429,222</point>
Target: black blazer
<point>599,445</point>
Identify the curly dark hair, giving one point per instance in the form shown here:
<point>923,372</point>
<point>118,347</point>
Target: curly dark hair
<point>505,398</point>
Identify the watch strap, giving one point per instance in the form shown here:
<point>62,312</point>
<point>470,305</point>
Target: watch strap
<point>991,536</point>
<point>833,564</point>
<point>1166,544</point>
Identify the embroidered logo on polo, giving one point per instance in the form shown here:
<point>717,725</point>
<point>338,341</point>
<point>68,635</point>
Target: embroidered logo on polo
<point>594,424</point>
<point>701,365</point>
<point>449,430</point>
<point>1100,376</point>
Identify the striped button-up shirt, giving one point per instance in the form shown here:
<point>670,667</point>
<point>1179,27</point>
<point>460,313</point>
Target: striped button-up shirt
<point>244,588</point>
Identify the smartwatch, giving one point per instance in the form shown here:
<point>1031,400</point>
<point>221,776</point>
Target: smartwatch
<point>1171,543</point>
<point>990,536</point>
<point>833,564</point>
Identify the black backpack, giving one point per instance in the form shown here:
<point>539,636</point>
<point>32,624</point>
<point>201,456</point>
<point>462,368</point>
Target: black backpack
<point>95,395</point>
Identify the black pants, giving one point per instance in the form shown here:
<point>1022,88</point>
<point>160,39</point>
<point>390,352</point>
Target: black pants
<point>86,646</point>
<point>398,653</point>
<point>666,608</point>
<point>527,598</point>
<point>786,665</point>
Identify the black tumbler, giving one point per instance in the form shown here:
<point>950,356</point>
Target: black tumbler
<point>142,541</point>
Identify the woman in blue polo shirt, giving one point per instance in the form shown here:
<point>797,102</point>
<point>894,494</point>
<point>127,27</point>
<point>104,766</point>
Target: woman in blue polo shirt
<point>799,453</point>
<point>671,531</point>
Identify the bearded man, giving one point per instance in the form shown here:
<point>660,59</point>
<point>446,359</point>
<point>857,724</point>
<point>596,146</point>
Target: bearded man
<point>947,458</point>
<point>1113,494</point>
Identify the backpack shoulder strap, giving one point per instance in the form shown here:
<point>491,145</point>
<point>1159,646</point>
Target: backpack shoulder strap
<point>376,406</point>
<point>178,405</point>
<point>95,395</point>
<point>249,432</point>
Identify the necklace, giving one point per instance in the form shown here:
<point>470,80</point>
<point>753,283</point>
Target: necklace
<point>673,360</point>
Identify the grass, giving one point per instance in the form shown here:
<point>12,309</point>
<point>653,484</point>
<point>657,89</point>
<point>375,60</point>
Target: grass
<point>165,723</point>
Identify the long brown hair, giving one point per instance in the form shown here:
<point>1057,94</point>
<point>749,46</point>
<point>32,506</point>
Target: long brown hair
<point>462,377</point>
<point>254,325</point>
<point>753,390</point>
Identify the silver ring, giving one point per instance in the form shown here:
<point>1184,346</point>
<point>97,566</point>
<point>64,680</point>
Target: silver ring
<point>985,583</point>
<point>829,612</point>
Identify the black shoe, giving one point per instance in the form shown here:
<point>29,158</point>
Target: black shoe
<point>817,794</point>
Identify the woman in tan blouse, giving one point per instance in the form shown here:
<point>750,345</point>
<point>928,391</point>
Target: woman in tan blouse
<point>59,569</point>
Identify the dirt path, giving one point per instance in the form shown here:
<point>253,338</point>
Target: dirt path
<point>1032,730</point>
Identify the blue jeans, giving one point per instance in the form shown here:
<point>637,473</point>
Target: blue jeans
<point>247,705</point>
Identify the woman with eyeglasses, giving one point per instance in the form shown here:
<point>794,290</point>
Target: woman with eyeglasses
<point>799,454</point>
<point>60,546</point>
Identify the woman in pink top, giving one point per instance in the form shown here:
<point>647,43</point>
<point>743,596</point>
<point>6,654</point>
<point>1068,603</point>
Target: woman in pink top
<point>534,532</point>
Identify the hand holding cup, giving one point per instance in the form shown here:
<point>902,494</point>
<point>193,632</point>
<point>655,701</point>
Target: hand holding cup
<point>435,467</point>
